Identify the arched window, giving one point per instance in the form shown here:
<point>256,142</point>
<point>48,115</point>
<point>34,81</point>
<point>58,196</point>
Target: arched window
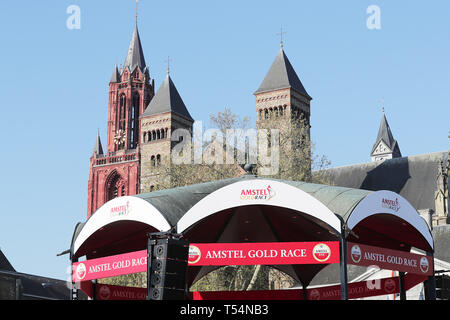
<point>121,117</point>
<point>134,121</point>
<point>114,187</point>
<point>152,161</point>
<point>158,160</point>
<point>122,111</point>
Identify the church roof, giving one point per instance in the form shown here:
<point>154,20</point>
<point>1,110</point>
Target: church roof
<point>414,177</point>
<point>385,135</point>
<point>167,99</point>
<point>135,56</point>
<point>98,145</point>
<point>281,75</point>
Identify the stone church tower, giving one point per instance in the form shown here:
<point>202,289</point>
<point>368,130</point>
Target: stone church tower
<point>116,172</point>
<point>282,97</point>
<point>165,114</point>
<point>138,131</point>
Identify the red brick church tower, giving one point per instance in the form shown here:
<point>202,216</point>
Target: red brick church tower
<point>116,172</point>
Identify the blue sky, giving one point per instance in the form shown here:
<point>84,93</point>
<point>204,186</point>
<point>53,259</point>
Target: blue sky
<point>54,87</point>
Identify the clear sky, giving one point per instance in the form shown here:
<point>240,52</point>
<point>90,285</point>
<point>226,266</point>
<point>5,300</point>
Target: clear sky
<point>54,84</point>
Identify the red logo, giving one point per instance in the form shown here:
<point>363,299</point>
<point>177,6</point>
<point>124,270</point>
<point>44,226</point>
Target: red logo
<point>321,252</point>
<point>104,293</point>
<point>314,295</point>
<point>194,254</point>
<point>355,253</point>
<point>390,204</point>
<point>120,210</point>
<point>424,264</point>
<point>389,285</point>
<point>257,194</point>
<point>81,271</point>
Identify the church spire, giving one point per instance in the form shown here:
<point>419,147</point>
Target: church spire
<point>135,56</point>
<point>115,75</point>
<point>385,147</point>
<point>98,150</point>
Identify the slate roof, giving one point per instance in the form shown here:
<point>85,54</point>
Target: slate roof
<point>441,235</point>
<point>385,135</point>
<point>40,288</point>
<point>5,264</point>
<point>167,99</point>
<point>414,178</point>
<point>281,75</point>
<point>135,56</point>
<point>34,287</point>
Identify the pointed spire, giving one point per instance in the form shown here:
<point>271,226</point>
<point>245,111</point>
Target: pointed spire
<point>385,133</point>
<point>385,136</point>
<point>167,99</point>
<point>115,78</point>
<point>281,75</point>
<point>98,150</point>
<point>135,56</point>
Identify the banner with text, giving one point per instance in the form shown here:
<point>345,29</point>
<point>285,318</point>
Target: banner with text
<point>112,266</point>
<point>110,292</point>
<point>267,253</point>
<point>208,254</point>
<point>363,255</point>
<point>356,290</point>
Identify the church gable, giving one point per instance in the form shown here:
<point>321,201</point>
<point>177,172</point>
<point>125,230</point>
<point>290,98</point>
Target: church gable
<point>381,152</point>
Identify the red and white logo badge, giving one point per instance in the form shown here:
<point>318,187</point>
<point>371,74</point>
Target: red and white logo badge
<point>424,264</point>
<point>321,252</point>
<point>314,295</point>
<point>355,253</point>
<point>194,255</point>
<point>389,285</point>
<point>104,293</point>
<point>80,271</point>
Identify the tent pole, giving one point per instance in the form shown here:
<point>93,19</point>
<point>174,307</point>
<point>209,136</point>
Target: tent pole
<point>430,283</point>
<point>401,282</point>
<point>343,260</point>
<point>74,294</point>
<point>305,293</point>
<point>94,289</point>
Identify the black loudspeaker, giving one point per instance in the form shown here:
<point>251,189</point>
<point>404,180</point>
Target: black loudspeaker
<point>443,287</point>
<point>168,269</point>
